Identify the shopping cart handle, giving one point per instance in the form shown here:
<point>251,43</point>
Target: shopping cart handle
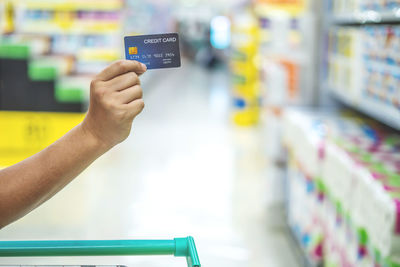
<point>179,247</point>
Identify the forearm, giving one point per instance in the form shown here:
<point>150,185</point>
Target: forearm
<point>28,184</point>
<point>115,100</point>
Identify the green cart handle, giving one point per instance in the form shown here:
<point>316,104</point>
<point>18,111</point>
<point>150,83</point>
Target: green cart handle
<point>179,247</point>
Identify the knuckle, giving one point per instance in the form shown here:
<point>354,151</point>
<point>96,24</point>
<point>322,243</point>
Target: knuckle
<point>135,78</point>
<point>139,91</point>
<point>99,93</point>
<point>122,114</point>
<point>94,83</point>
<point>137,64</point>
<point>140,104</point>
<point>113,105</point>
<point>109,104</point>
<point>122,65</point>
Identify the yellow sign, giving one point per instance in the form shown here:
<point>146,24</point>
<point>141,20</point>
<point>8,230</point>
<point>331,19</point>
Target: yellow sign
<point>291,6</point>
<point>283,3</point>
<point>23,134</point>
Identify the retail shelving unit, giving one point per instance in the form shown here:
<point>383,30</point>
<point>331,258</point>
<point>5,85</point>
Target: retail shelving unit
<point>360,70</point>
<point>87,29</point>
<point>379,105</point>
<point>287,76</point>
<point>380,112</point>
<point>295,239</point>
<point>302,254</point>
<point>49,52</point>
<point>367,17</point>
<point>344,168</point>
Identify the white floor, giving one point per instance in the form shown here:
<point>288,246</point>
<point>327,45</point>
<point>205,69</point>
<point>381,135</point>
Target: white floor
<point>185,170</point>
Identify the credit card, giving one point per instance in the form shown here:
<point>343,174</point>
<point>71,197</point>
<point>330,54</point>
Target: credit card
<point>157,51</point>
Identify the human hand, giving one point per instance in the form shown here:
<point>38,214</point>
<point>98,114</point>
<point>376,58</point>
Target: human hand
<point>115,100</point>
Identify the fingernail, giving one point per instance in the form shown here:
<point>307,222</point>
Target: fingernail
<point>144,67</point>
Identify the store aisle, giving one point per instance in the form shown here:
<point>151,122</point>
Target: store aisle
<point>184,170</point>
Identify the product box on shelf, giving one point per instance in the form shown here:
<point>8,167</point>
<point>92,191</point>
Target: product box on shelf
<point>286,56</point>
<point>344,65</point>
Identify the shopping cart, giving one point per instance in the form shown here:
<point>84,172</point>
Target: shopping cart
<point>179,247</point>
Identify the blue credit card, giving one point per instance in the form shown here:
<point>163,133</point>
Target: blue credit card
<point>157,51</point>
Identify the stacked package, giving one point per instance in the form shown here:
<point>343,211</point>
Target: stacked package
<point>381,58</point>
<point>344,62</point>
<point>344,189</point>
<point>351,6</point>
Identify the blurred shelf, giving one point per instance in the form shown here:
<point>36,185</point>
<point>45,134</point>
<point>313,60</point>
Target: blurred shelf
<point>367,17</point>
<point>98,54</point>
<point>379,111</point>
<point>100,28</point>
<point>73,88</point>
<point>14,50</point>
<point>301,253</point>
<point>73,5</point>
<point>295,55</point>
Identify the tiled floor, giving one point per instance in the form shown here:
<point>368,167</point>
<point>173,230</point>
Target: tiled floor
<point>185,170</point>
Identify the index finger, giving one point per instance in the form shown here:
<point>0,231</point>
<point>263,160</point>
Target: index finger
<point>121,67</point>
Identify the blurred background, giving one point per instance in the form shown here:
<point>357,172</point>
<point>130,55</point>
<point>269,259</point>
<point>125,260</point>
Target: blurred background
<point>275,144</point>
